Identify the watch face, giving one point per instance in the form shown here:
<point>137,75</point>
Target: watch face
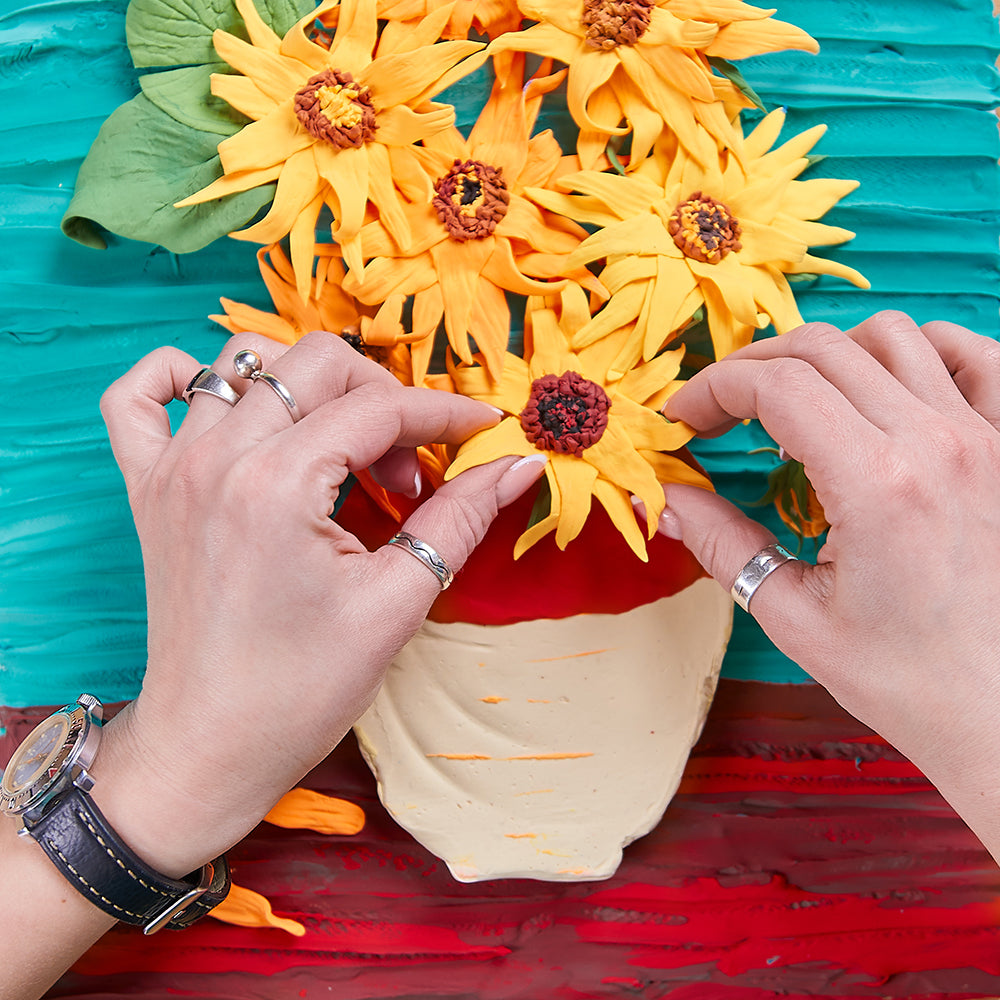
<point>36,755</point>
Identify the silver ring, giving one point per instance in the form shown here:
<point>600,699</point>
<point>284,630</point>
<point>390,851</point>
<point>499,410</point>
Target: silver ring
<point>756,571</point>
<point>247,364</point>
<point>422,551</point>
<point>214,384</point>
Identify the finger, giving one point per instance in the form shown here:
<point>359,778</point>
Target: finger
<point>133,408</point>
<point>398,470</point>
<point>356,430</point>
<point>810,418</point>
<point>973,361</point>
<point>902,348</point>
<point>873,391</point>
<point>317,369</point>
<point>789,603</point>
<point>205,410</point>
<point>454,521</point>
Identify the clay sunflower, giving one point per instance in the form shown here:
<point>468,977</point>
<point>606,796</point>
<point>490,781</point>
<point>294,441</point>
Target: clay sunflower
<point>685,236</point>
<point>330,125</point>
<point>604,438</point>
<point>646,61</point>
<point>376,333</point>
<point>474,234</point>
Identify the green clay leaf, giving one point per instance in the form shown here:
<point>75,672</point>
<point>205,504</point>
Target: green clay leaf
<point>185,95</point>
<point>542,506</point>
<point>179,32</point>
<point>143,161</point>
<point>734,76</point>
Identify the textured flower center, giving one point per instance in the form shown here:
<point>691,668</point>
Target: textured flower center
<point>611,23</point>
<point>704,229</point>
<point>565,413</point>
<point>332,107</point>
<point>470,200</point>
<point>352,335</point>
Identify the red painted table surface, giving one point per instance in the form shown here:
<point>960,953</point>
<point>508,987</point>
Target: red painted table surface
<point>802,858</point>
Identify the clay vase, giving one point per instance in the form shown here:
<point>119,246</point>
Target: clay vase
<point>515,739</point>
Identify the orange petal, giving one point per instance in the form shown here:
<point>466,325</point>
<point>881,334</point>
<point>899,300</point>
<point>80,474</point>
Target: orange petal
<point>246,908</point>
<point>304,809</point>
<point>243,94</point>
<point>297,186</point>
<point>354,39</point>
<point>265,142</point>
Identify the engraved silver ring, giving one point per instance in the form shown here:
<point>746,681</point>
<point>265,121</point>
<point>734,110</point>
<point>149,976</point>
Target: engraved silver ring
<point>422,551</point>
<point>213,384</point>
<point>756,571</point>
<point>247,364</point>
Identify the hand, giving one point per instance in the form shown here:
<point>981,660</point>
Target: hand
<point>270,626</point>
<point>897,426</point>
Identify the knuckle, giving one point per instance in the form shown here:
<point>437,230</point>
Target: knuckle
<point>814,338</point>
<point>786,375</point>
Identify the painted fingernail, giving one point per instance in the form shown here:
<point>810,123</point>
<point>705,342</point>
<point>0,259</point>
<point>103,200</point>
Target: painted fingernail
<point>519,477</point>
<point>414,491</point>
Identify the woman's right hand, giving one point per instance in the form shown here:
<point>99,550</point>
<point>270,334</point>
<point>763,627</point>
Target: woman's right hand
<point>898,427</point>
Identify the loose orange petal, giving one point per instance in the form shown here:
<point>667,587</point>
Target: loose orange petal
<point>302,808</point>
<point>246,908</point>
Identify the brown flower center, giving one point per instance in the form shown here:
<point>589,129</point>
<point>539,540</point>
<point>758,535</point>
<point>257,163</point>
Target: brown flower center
<point>470,200</point>
<point>611,23</point>
<point>332,107</point>
<point>565,413</point>
<point>704,229</point>
<point>352,335</point>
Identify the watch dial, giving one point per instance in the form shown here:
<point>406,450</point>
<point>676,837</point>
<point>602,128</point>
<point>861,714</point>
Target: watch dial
<point>34,756</point>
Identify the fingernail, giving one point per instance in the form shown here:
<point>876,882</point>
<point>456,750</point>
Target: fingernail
<point>414,491</point>
<point>519,477</point>
<point>669,524</point>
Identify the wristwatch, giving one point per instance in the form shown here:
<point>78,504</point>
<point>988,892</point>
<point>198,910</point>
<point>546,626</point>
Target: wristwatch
<point>47,785</point>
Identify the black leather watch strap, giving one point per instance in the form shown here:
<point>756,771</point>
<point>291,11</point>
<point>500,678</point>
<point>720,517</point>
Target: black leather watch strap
<point>81,844</point>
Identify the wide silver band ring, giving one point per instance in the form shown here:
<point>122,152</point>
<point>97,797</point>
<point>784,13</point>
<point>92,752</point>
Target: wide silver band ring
<point>422,551</point>
<point>213,384</point>
<point>756,571</point>
<point>248,364</point>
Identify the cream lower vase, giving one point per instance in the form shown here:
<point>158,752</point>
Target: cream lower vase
<point>540,749</point>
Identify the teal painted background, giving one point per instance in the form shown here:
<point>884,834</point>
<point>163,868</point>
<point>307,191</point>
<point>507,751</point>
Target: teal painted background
<point>906,88</point>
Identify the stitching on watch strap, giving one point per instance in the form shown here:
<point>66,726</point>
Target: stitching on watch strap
<point>117,860</point>
<point>87,885</point>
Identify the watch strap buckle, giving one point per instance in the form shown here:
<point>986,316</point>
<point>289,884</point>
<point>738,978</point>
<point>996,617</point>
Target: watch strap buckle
<point>178,906</point>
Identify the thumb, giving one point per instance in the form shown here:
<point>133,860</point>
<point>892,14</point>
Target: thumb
<point>723,539</point>
<point>454,521</point>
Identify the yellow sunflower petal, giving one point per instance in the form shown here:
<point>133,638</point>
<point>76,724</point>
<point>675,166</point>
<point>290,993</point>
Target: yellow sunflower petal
<point>670,469</point>
<point>627,196</point>
<point>647,428</point>
<point>591,69</point>
<point>678,67</point>
<point>543,40</point>
<point>622,308</point>
<point>354,39</point>
<point>564,16</point>
<point>507,438</point>
<point>616,502</point>
<point>401,126</point>
<point>813,198</point>
<point>761,244</point>
<point>775,297</point>
<point>544,156</point>
<point>644,381</point>
<point>231,185</point>
<point>616,459</point>
<point>728,334</point>
<point>489,324</point>
<point>385,276</point>
<point>641,234</point>
<point>730,277</point>
<point>260,34</point>
<point>624,270</point>
<point>577,207</point>
<point>297,186</point>
<point>241,93</point>
<point>277,76</point>
<point>550,351</point>
<point>809,234</point>
<point>525,222</point>
<point>458,267</point>
<point>669,28</point>
<point>720,11</point>
<point>346,171</point>
<point>646,122</point>
<point>266,142</point>
<point>742,39</point>
<point>509,392</point>
<point>502,270</point>
<point>385,195</point>
<point>302,244</point>
<point>246,908</point>
<point>821,265</point>
<point>240,317</point>
<point>398,79</point>
<point>605,109</point>
<point>792,151</point>
<point>576,477</point>
<point>536,532</point>
<point>765,135</point>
